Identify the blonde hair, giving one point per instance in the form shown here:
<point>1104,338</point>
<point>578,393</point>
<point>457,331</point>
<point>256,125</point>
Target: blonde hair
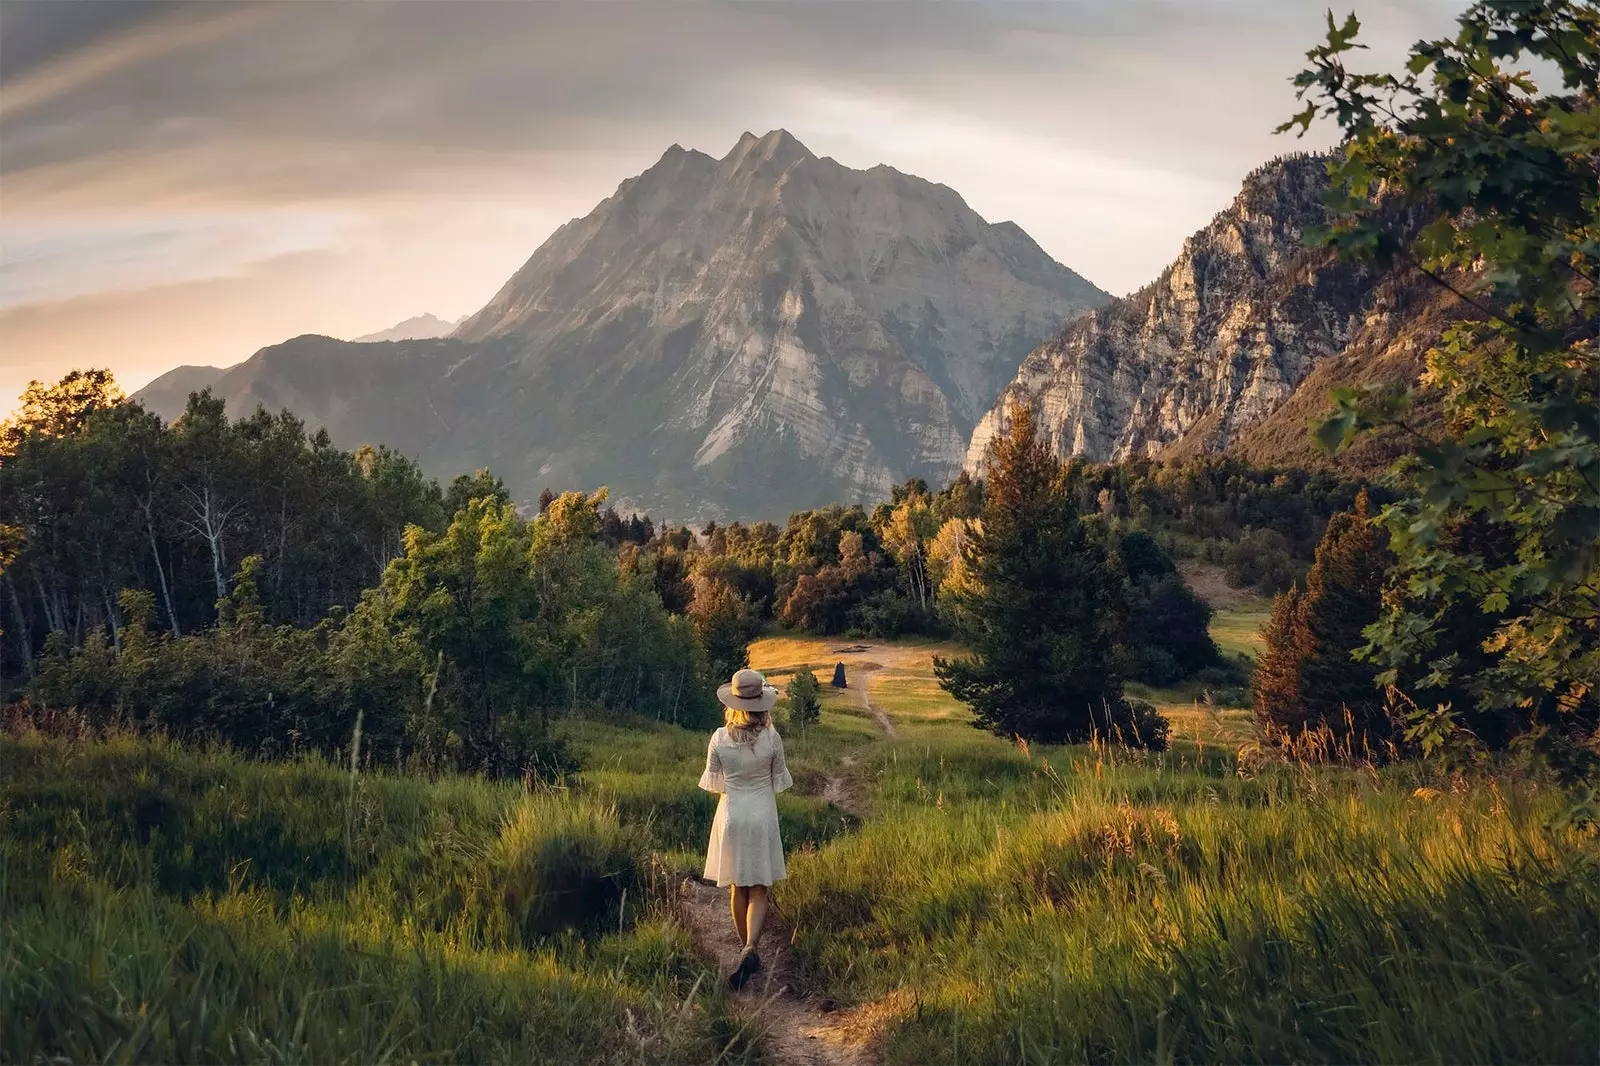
<point>744,726</point>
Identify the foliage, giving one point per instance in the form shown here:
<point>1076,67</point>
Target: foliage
<point>474,639</point>
<point>1165,636</point>
<point>1260,559</point>
<point>725,624</point>
<point>1308,677</point>
<point>1506,176</point>
<point>1203,507</point>
<point>102,497</point>
<point>1038,622</point>
<point>804,697</point>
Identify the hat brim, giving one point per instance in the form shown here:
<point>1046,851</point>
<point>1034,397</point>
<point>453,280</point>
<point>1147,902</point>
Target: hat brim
<point>763,702</point>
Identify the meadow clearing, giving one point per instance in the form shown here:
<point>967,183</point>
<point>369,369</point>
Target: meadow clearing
<point>952,898</point>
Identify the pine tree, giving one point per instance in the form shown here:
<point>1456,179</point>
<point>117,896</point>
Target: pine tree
<point>1309,676</point>
<point>805,703</point>
<point>1038,615</point>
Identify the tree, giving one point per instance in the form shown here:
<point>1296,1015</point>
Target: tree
<point>905,534</point>
<point>804,695</point>
<point>208,479</point>
<point>59,410</point>
<point>1308,676</point>
<point>1038,621</point>
<point>1506,178</point>
<point>480,485</point>
<point>467,596</point>
<point>725,624</point>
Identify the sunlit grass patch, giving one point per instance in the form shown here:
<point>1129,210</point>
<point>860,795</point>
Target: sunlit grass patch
<point>1154,907</point>
<point>912,696</point>
<point>1237,629</point>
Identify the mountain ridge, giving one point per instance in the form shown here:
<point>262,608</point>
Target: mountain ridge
<point>740,336</point>
<point>425,326</point>
<point>1213,354</point>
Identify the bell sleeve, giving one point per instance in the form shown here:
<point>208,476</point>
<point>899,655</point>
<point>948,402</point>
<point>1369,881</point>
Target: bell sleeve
<point>713,779</point>
<point>780,769</point>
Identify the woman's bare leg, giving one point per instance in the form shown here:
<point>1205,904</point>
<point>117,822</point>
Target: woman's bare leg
<point>756,916</point>
<point>739,904</point>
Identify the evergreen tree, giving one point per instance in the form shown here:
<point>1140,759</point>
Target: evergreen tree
<point>1309,675</point>
<point>805,701</point>
<point>1039,614</point>
<point>725,624</point>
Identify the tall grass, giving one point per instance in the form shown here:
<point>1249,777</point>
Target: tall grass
<point>651,773</point>
<point>1076,904</point>
<point>160,904</point>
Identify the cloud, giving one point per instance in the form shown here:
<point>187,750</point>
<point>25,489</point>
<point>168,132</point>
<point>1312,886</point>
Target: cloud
<point>61,259</point>
<point>102,60</point>
<point>418,152</point>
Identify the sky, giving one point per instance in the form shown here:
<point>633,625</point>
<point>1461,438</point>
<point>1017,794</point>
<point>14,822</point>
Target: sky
<point>187,182</point>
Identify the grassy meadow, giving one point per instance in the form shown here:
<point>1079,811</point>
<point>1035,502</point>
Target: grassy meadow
<point>1050,905</point>
<point>163,905</point>
<point>980,901</point>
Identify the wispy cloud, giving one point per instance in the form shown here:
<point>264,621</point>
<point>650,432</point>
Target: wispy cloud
<point>418,151</point>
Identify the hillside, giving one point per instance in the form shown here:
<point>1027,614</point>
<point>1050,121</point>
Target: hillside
<point>1235,346</point>
<point>168,394</point>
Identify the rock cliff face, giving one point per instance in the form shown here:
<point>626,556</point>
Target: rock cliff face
<point>721,337</point>
<point>1208,357</point>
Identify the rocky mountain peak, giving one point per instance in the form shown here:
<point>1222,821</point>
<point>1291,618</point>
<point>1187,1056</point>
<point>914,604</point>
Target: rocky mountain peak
<point>778,149</point>
<point>740,336</point>
<point>1205,356</point>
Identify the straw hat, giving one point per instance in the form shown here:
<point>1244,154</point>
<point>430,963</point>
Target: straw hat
<point>748,691</point>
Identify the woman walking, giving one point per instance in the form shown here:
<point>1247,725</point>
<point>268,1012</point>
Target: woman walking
<point>745,764</point>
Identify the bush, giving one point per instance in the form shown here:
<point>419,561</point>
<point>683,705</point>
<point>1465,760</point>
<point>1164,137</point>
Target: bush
<point>1261,560</point>
<point>562,863</point>
<point>1138,724</point>
<point>805,703</point>
<point>1153,666</point>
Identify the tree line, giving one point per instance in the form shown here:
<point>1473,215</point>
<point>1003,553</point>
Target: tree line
<point>246,579</point>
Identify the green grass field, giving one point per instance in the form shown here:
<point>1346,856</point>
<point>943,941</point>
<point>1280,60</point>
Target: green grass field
<point>1237,629</point>
<point>987,902</point>
<point>1002,904</point>
<point>162,905</point>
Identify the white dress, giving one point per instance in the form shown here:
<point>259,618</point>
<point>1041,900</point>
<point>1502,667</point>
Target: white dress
<point>745,848</point>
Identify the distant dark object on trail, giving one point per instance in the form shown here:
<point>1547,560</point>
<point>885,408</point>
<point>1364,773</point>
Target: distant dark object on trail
<point>838,677</point>
<point>850,649</point>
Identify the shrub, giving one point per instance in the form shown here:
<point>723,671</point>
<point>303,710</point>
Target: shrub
<point>805,704</point>
<point>562,863</point>
<point>1260,559</point>
<point>1138,724</point>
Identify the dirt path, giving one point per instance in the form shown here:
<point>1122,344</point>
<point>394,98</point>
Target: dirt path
<point>800,1030</point>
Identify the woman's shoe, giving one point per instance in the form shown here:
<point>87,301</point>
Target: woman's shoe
<point>749,963</point>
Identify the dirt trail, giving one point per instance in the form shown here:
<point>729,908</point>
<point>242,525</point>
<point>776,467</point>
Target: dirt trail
<point>862,665</point>
<point>801,1030</point>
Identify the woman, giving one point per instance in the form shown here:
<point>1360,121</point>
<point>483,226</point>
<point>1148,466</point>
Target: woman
<point>745,764</point>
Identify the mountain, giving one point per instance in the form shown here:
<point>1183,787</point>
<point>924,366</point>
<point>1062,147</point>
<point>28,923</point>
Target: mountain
<point>420,328</point>
<point>168,394</point>
<point>738,337</point>
<point>1235,346</point>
